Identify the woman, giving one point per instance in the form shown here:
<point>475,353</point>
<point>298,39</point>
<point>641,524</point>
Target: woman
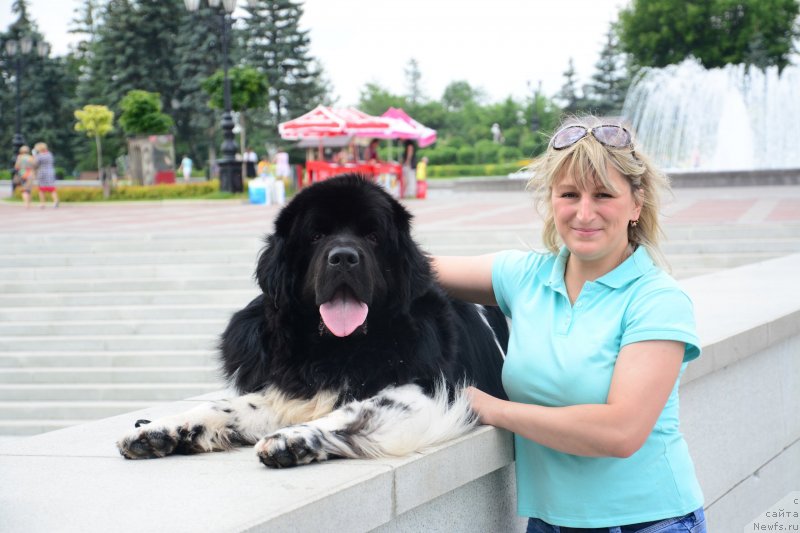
<point>600,337</point>
<point>24,167</point>
<point>410,169</point>
<point>45,173</point>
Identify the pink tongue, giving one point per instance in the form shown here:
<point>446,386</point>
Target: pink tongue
<point>343,313</point>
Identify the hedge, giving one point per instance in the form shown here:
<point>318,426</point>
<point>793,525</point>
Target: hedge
<point>139,192</point>
<point>456,171</point>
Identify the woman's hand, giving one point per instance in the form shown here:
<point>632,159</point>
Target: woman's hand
<point>483,404</point>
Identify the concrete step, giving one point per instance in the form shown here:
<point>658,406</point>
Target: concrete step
<point>111,327</point>
<point>31,411</point>
<point>108,358</point>
<point>114,272</point>
<point>128,258</point>
<point>103,244</point>
<point>57,286</point>
<point>99,342</point>
<point>105,375</point>
<point>63,392</point>
<point>220,312</point>
<point>222,296</point>
<point>23,428</point>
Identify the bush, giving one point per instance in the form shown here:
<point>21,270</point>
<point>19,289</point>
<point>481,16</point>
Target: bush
<point>509,153</point>
<point>138,192</point>
<point>457,171</point>
<point>466,155</point>
<point>446,155</point>
<point>486,151</point>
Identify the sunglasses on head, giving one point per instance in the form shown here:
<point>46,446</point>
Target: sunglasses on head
<point>606,134</point>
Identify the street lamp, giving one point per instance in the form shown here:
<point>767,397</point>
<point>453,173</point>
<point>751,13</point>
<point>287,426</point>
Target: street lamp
<point>17,50</point>
<point>227,163</point>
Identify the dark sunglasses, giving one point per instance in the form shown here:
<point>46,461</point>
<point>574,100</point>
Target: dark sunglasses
<point>606,134</point>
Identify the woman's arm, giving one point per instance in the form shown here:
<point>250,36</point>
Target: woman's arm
<point>467,278</point>
<point>644,376</point>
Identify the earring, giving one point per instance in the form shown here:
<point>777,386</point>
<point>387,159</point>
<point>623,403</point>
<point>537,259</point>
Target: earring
<point>634,223</point>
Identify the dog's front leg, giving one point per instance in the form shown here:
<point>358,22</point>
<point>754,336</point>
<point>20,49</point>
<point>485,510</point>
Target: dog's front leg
<point>396,422</point>
<point>213,426</point>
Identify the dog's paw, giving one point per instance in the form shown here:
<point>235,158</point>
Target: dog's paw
<point>151,440</point>
<point>293,446</point>
<point>148,441</point>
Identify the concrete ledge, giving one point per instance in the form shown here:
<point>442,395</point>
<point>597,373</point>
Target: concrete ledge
<point>738,403</point>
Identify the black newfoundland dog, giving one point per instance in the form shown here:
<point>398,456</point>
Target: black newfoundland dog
<point>352,350</point>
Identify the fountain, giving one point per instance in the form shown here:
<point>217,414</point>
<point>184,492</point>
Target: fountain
<point>726,119</point>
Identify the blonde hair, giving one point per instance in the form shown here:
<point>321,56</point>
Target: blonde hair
<point>24,149</point>
<point>587,162</point>
<point>40,147</point>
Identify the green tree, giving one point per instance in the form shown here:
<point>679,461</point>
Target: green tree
<point>375,99</point>
<point>46,88</point>
<point>249,91</point>
<point>717,32</point>
<point>610,81</point>
<point>96,121</point>
<point>273,43</point>
<point>413,77</point>
<point>572,101</point>
<point>200,56</point>
<point>458,94</point>
<point>141,114</point>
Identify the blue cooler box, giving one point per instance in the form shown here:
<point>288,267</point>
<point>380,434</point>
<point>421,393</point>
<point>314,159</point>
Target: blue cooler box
<point>257,193</point>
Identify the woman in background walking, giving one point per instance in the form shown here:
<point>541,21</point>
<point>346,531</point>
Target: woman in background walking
<point>45,173</point>
<point>24,168</point>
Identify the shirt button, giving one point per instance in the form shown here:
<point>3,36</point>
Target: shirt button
<point>579,304</point>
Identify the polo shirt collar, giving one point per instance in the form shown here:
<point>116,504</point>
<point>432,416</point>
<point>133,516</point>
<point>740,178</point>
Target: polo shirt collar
<point>634,267</point>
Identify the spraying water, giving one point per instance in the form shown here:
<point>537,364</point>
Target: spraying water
<point>732,118</point>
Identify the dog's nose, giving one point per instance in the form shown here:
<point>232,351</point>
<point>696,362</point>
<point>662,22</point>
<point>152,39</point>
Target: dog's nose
<point>343,257</point>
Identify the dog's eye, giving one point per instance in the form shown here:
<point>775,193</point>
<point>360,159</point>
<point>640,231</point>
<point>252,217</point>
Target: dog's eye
<point>373,238</point>
<point>316,237</point>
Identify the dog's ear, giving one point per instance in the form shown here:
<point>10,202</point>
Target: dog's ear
<point>415,270</point>
<point>272,272</point>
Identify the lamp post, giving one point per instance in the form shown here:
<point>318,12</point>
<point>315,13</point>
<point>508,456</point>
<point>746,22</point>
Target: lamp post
<point>227,163</point>
<point>17,50</point>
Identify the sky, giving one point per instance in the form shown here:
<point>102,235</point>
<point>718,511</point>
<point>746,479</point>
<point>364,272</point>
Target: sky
<point>504,47</point>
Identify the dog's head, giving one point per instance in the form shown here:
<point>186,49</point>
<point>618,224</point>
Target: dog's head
<point>343,249</point>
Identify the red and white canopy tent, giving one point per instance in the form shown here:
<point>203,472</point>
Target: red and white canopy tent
<point>423,135</point>
<point>325,121</point>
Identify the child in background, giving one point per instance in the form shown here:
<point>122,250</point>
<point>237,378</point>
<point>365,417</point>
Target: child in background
<point>422,178</point>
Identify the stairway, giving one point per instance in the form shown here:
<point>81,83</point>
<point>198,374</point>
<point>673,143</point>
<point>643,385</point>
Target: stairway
<point>98,324</point>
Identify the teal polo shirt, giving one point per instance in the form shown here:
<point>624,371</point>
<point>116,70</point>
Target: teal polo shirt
<point>562,354</point>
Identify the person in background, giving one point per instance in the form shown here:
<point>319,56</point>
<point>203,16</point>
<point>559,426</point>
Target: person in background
<point>24,168</point>
<point>263,168</point>
<point>371,155</point>
<point>422,178</point>
<point>250,160</point>
<point>409,162</point>
<point>600,337</point>
<point>45,173</point>
<point>186,168</point>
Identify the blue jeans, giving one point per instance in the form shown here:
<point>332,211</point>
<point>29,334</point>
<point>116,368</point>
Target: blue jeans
<point>694,522</point>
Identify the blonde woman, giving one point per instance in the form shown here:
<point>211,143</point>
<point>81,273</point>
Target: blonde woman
<point>24,167</point>
<point>45,173</point>
<point>600,337</point>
